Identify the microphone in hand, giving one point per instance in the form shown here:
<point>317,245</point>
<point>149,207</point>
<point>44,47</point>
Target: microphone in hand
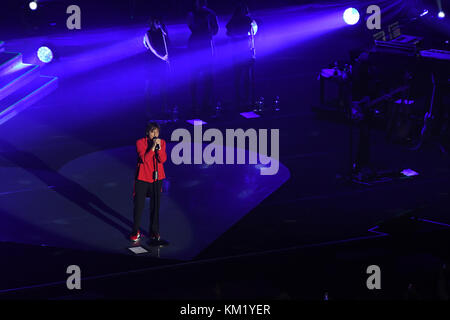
<point>157,147</point>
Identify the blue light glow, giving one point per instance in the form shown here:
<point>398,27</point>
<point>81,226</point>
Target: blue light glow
<point>351,16</point>
<point>196,122</point>
<point>441,14</point>
<point>254,27</point>
<point>45,54</point>
<point>33,5</point>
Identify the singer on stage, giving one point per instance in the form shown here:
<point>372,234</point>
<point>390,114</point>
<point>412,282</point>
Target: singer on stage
<point>148,181</point>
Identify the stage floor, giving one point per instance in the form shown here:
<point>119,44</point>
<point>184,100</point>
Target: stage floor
<point>87,204</point>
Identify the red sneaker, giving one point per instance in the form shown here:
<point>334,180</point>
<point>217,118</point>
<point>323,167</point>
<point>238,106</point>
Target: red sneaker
<point>135,237</point>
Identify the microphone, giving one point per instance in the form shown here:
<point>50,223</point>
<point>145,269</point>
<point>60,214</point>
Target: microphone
<point>157,146</point>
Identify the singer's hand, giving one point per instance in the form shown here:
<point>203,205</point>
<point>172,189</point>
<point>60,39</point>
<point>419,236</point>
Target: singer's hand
<point>155,143</point>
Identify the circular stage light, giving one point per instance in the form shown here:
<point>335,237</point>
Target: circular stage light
<point>33,5</point>
<point>45,54</point>
<point>351,16</point>
<point>441,14</point>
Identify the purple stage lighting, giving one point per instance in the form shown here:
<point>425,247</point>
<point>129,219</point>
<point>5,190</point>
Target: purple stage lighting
<point>409,173</point>
<point>33,5</point>
<point>250,115</point>
<point>351,16</point>
<point>45,54</point>
<point>441,14</point>
<point>196,122</point>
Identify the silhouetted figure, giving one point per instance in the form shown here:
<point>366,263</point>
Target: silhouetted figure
<point>202,22</point>
<point>157,83</point>
<point>362,92</point>
<point>443,283</point>
<point>411,293</point>
<point>240,31</point>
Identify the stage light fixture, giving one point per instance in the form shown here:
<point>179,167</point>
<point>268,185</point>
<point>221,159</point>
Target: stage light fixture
<point>33,5</point>
<point>441,14</point>
<point>45,54</point>
<point>351,16</point>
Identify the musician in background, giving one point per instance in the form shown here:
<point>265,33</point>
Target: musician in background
<point>362,90</point>
<point>157,84</point>
<point>437,118</point>
<point>241,32</point>
<point>203,24</point>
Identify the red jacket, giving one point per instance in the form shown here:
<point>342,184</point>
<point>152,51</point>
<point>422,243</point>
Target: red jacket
<point>147,160</point>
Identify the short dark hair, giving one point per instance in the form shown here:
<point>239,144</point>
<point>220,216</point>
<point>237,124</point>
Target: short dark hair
<point>152,126</point>
<point>153,19</point>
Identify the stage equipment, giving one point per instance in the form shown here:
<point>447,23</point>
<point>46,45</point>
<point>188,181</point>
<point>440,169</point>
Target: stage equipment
<point>363,112</point>
<point>33,5</point>
<point>437,62</point>
<point>430,69</point>
<point>335,87</point>
<point>45,54</point>
<point>252,33</point>
<point>259,106</point>
<point>276,104</point>
<point>365,106</point>
<point>401,44</point>
<point>435,54</point>
<point>351,16</point>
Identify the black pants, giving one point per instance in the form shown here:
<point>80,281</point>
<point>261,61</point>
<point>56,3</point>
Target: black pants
<point>202,75</point>
<point>143,190</point>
